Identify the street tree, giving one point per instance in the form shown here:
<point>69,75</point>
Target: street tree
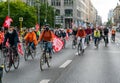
<point>18,9</point>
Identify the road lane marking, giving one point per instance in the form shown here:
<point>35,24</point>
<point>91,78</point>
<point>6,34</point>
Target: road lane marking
<point>66,64</point>
<point>45,81</point>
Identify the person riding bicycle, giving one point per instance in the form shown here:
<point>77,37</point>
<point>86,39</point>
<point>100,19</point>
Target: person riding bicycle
<point>46,36</point>
<point>31,39</point>
<point>96,36</point>
<point>81,34</point>
<point>113,33</point>
<point>106,31</point>
<point>12,37</point>
<point>88,32</point>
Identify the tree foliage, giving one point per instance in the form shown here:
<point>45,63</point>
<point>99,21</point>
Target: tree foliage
<point>46,12</point>
<point>18,9</point>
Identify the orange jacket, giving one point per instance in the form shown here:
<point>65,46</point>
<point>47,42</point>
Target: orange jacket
<point>81,33</point>
<point>31,37</point>
<point>113,31</point>
<point>46,36</point>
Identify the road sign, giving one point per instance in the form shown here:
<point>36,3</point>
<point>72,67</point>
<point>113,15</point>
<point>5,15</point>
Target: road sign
<point>20,18</point>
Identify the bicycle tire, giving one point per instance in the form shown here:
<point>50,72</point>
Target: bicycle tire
<point>18,61</point>
<point>26,55</point>
<point>6,64</point>
<point>42,61</point>
<point>73,44</point>
<point>47,61</point>
<point>79,49</point>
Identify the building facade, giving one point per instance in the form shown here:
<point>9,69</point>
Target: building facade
<point>71,12</point>
<point>117,15</point>
<point>75,11</point>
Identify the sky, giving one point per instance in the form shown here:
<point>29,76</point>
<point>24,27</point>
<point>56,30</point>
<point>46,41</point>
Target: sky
<point>103,7</point>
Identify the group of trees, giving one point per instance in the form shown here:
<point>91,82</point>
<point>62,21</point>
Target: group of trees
<point>29,14</point>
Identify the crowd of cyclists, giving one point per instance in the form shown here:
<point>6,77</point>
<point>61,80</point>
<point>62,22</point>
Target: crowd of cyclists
<point>32,37</point>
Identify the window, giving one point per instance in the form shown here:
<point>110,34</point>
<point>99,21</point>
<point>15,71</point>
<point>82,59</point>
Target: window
<point>56,2</point>
<point>68,12</point>
<point>57,12</point>
<point>68,2</point>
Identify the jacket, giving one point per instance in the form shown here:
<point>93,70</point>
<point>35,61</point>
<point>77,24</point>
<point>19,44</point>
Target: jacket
<point>31,37</point>
<point>96,33</point>
<point>81,33</point>
<point>46,36</point>
<point>12,38</point>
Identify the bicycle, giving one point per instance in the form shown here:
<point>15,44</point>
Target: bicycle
<point>74,42</point>
<point>10,59</point>
<point>113,38</point>
<point>45,56</point>
<point>88,39</point>
<point>29,51</point>
<point>106,40</point>
<point>80,50</point>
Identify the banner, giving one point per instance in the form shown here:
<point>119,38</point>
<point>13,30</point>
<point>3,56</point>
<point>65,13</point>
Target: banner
<point>57,43</point>
<point>20,49</point>
<point>7,22</point>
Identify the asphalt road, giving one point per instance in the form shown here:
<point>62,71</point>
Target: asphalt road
<point>100,65</point>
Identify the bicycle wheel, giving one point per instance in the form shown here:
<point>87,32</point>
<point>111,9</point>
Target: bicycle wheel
<point>73,44</point>
<point>47,60</point>
<point>7,64</point>
<point>42,61</point>
<point>105,42</point>
<point>33,53</point>
<point>26,55</point>
<point>16,61</point>
<point>79,48</point>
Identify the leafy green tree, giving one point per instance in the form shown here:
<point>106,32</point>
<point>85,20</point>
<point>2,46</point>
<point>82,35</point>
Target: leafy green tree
<point>46,12</point>
<point>18,9</point>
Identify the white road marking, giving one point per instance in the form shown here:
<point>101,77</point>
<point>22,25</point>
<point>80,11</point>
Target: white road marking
<point>45,81</point>
<point>66,64</point>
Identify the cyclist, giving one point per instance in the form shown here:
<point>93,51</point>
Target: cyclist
<point>96,35</point>
<point>12,37</point>
<point>46,36</point>
<point>106,31</point>
<point>63,36</point>
<point>81,34</point>
<point>31,39</point>
<point>88,32</point>
<point>74,32</point>
<point>113,33</point>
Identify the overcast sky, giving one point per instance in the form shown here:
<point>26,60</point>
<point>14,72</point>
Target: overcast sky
<point>103,7</point>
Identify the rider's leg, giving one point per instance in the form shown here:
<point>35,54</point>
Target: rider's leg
<point>95,40</point>
<point>83,44</point>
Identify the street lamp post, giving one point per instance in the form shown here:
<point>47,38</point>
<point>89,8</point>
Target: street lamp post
<point>54,17</point>
<point>8,7</point>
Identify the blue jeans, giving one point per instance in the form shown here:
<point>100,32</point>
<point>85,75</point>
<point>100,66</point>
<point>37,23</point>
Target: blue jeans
<point>32,45</point>
<point>48,46</point>
<point>96,39</point>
